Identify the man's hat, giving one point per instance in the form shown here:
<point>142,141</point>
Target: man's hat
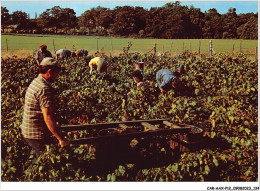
<point>139,65</point>
<point>43,46</point>
<point>48,61</point>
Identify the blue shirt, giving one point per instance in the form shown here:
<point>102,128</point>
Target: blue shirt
<point>163,77</point>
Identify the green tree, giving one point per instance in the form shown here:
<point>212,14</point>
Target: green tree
<point>141,15</point>
<point>170,21</point>
<point>101,16</point>
<point>196,19</point>
<point>124,21</point>
<point>95,18</point>
<point>212,25</point>
<point>249,30</point>
<point>153,23</point>
<point>104,19</point>
<point>231,21</point>
<point>85,21</point>
<point>52,18</point>
<point>5,17</point>
<point>32,25</point>
<point>20,19</point>
<point>69,16</point>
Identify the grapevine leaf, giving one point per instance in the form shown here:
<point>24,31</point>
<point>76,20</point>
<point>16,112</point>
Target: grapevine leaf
<point>207,169</point>
<point>248,131</point>
<point>215,161</point>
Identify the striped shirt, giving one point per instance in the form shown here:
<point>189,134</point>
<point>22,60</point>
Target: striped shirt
<point>38,95</point>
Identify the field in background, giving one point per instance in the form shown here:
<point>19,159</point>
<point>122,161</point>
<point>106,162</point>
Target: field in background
<point>23,45</point>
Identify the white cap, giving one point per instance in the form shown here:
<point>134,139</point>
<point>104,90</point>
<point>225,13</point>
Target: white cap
<point>48,61</point>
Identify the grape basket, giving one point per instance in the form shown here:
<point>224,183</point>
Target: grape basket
<point>138,136</point>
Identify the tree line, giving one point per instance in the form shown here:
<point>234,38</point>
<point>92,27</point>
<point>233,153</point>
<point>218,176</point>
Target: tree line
<point>171,21</point>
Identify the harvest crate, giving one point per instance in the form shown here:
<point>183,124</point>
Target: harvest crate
<point>183,136</point>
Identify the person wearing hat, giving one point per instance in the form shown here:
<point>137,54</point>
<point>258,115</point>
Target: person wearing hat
<point>62,54</point>
<point>81,52</point>
<point>139,66</point>
<point>42,53</point>
<point>38,118</point>
<point>99,63</point>
<point>166,80</point>
<point>138,79</point>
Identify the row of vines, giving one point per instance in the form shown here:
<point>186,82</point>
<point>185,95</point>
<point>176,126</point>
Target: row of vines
<point>219,97</point>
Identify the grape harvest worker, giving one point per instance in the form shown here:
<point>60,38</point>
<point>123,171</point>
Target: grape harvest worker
<point>38,119</point>
<point>99,63</point>
<point>62,54</point>
<point>139,66</point>
<point>42,53</point>
<point>166,80</point>
<point>81,52</point>
<point>138,79</point>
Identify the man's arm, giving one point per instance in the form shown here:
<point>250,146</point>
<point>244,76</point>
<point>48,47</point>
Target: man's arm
<point>162,84</point>
<point>91,66</point>
<point>158,76</point>
<point>50,122</point>
<point>48,54</point>
<point>37,58</point>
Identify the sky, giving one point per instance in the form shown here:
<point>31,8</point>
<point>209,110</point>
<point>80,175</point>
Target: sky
<point>80,7</point>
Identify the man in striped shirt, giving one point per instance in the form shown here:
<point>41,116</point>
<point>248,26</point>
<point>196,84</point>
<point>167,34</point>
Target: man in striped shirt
<point>38,119</point>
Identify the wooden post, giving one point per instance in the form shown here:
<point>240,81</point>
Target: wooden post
<point>111,47</point>
<point>163,49</point>
<point>6,45</point>
<point>240,46</point>
<point>210,48</point>
<point>53,44</point>
<point>154,48</point>
<point>256,52</point>
<point>97,44</point>
<point>171,49</point>
<point>199,46</point>
<point>233,49</point>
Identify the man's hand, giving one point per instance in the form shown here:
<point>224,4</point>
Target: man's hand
<point>162,91</point>
<point>64,142</point>
<point>51,124</point>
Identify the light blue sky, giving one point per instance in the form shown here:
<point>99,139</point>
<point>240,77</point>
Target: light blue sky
<point>79,7</point>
